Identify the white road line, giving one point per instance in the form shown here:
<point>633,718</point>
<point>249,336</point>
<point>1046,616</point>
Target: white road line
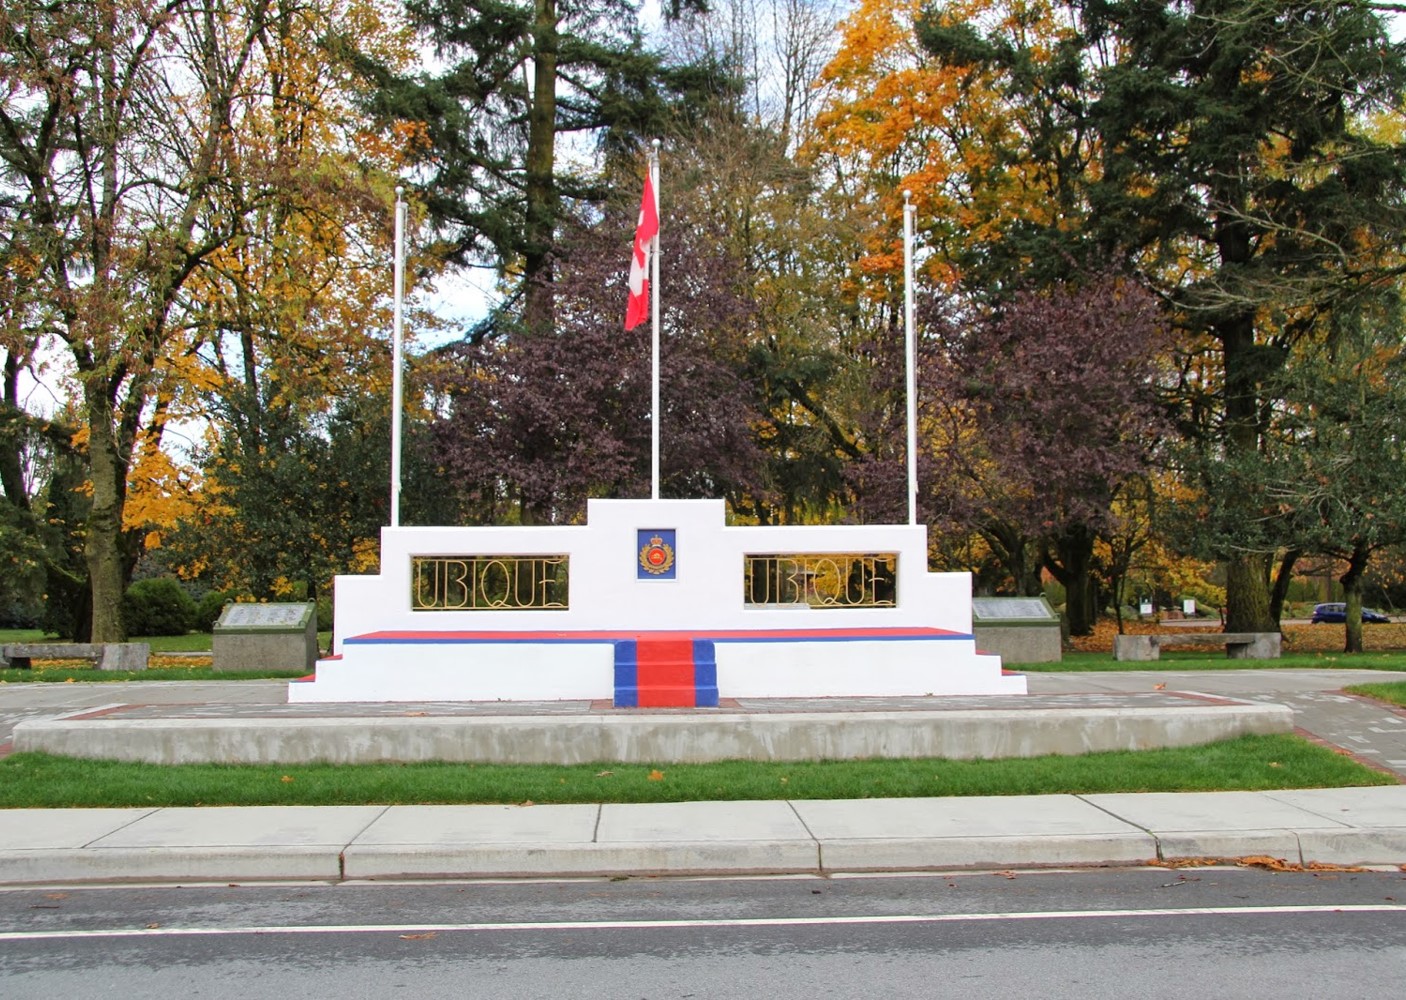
<point>618,925</point>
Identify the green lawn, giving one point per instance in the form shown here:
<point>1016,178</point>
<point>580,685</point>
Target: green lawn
<point>69,674</point>
<point>1200,660</point>
<point>191,642</point>
<point>1394,693</point>
<point>1246,763</point>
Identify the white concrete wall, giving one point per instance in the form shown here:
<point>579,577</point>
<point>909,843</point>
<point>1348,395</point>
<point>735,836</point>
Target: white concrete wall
<point>605,593</point>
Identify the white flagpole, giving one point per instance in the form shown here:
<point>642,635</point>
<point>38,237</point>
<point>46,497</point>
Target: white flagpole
<point>654,309</point>
<point>911,361</point>
<point>396,349</point>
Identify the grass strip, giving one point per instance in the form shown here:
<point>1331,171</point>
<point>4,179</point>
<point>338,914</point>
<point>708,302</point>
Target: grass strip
<point>1392,693</point>
<point>199,670</point>
<point>65,674</point>
<point>1182,660</point>
<point>191,642</point>
<point>31,780</point>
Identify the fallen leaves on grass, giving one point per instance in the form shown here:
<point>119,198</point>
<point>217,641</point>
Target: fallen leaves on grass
<point>656,775</point>
<point>1297,638</point>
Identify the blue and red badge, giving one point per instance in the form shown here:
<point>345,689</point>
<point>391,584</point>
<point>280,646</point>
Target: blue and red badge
<point>656,554</point>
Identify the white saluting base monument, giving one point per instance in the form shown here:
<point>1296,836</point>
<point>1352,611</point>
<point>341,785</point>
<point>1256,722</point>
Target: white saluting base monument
<point>652,603</point>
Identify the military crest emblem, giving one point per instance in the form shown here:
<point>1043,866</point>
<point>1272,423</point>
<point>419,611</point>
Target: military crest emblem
<point>656,554</point>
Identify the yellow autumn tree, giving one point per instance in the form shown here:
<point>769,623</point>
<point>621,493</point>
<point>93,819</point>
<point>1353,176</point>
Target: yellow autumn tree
<point>964,104</point>
<point>292,319</point>
<point>126,149</point>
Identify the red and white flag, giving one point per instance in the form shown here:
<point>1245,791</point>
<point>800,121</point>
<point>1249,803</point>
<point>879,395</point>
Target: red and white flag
<point>637,308</point>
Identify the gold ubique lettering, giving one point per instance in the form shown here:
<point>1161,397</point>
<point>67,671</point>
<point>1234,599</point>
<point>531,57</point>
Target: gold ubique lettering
<point>821,580</point>
<point>489,583</point>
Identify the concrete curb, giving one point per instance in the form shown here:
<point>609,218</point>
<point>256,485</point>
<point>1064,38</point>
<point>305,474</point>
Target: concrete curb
<point>957,734</point>
<point>1356,826</point>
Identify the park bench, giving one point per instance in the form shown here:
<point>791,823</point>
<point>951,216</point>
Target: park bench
<point>103,655</point>
<point>1238,645</point>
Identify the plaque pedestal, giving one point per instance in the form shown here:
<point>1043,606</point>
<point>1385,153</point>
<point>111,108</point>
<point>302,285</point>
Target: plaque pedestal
<point>265,637</point>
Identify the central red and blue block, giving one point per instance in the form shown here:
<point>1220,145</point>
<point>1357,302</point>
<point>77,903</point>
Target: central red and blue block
<point>660,672</point>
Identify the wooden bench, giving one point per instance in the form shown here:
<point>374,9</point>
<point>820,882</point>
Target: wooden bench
<point>1238,645</point>
<point>103,655</point>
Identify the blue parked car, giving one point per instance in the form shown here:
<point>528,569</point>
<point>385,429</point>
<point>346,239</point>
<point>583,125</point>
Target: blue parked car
<point>1338,613</point>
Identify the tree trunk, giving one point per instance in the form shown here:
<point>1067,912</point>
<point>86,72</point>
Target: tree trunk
<point>1074,549</point>
<point>1282,578</point>
<point>107,470</point>
<point>1352,596</point>
<point>12,438</point>
<point>1247,594</point>
<point>1247,573</point>
<point>1012,551</point>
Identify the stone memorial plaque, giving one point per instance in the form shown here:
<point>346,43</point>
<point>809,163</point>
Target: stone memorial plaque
<point>1012,608</point>
<point>265,637</point>
<point>1020,629</point>
<point>289,616</point>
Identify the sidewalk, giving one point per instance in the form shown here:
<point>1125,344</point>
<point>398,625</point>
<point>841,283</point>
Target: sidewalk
<point>1346,826</point>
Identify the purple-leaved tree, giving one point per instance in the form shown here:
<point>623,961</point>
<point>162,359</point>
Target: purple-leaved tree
<point>1032,416</point>
<point>535,424</point>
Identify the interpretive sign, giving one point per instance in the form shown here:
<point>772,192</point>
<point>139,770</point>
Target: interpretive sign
<point>265,637</point>
<point>1020,629</point>
<point>1012,609</point>
<point>276,616</point>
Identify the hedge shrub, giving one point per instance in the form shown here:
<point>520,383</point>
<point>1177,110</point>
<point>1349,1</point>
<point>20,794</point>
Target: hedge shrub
<point>158,606</point>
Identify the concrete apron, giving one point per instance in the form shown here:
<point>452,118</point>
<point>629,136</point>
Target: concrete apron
<point>1015,726</point>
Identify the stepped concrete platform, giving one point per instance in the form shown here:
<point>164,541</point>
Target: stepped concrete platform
<point>567,732</point>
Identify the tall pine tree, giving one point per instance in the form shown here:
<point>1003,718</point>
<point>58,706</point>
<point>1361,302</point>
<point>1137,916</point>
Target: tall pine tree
<point>1236,157</point>
<point>524,89</point>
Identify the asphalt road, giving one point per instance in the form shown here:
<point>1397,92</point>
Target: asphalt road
<point>1096,934</point>
<point>1125,933</point>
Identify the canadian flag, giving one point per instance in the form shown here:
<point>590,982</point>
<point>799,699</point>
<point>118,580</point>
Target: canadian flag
<point>637,308</point>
